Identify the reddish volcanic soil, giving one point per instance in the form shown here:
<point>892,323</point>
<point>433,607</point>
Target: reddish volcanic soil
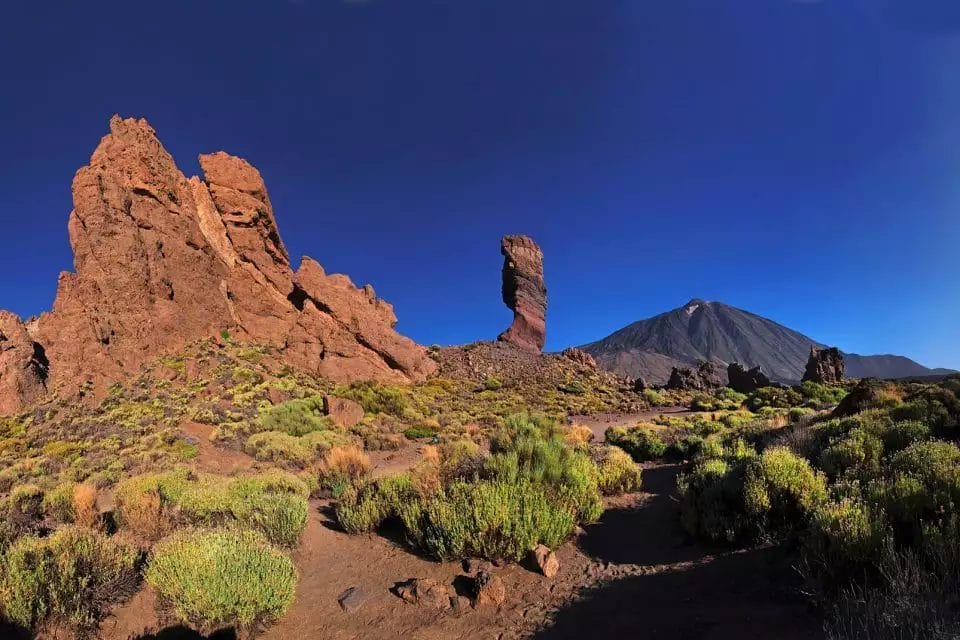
<point>633,573</point>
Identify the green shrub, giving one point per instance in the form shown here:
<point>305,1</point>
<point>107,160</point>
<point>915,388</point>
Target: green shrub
<point>575,387</point>
<point>364,507</point>
<point>773,397</point>
<point>416,433</point>
<point>655,398</point>
<point>492,383</point>
<point>822,394</point>
<point>618,472</point>
<point>922,486</point>
<point>859,450</point>
<point>799,412</point>
<point>58,503</point>
<point>212,579</point>
<point>70,578</point>
<point>376,398</point>
<point>901,435</point>
<point>487,519</point>
<point>280,448</point>
<point>781,490</point>
<point>686,447</point>
<point>845,536</point>
<point>274,503</point>
<point>641,443</point>
<point>711,500</point>
<point>296,417</point>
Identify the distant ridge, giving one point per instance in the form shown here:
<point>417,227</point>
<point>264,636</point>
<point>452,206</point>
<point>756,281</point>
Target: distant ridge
<point>717,332</point>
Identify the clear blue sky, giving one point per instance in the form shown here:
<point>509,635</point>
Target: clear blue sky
<point>799,159</point>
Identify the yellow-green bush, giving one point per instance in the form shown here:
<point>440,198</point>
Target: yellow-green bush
<point>487,519</point>
<point>711,500</point>
<point>273,503</point>
<point>296,417</point>
<point>641,443</point>
<point>212,579</point>
<point>781,489</point>
<point>69,578</point>
<point>618,473</point>
<point>859,450</point>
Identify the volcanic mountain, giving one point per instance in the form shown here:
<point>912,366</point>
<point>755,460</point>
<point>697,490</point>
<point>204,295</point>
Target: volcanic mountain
<point>717,332</point>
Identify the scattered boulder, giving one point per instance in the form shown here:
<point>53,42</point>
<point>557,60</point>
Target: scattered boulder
<point>344,413</point>
<point>23,365</point>
<point>524,292</point>
<point>868,393</point>
<point>488,589</point>
<point>825,366</point>
<point>352,599</point>
<point>702,378</point>
<point>579,356</point>
<point>640,384</point>
<point>746,380</point>
<point>427,592</point>
<point>545,560</point>
<point>161,261</point>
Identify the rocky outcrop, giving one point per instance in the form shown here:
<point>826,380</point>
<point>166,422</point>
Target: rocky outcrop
<point>868,394</point>
<point>824,366</point>
<point>746,380</point>
<point>161,260</point>
<point>702,378</point>
<point>23,365</point>
<point>524,292</point>
<point>579,357</point>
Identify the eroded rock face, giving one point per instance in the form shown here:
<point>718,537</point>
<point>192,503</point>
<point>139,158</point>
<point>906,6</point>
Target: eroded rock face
<point>825,366</point>
<point>23,365</point>
<point>744,380</point>
<point>524,292</point>
<point>701,378</point>
<point>161,260</point>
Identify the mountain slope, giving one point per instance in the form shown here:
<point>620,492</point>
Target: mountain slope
<point>720,333</point>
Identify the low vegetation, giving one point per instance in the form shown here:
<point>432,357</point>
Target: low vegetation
<point>533,488</point>
<point>870,501</point>
<point>212,579</point>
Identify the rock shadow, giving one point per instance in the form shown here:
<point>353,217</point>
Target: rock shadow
<point>742,595</point>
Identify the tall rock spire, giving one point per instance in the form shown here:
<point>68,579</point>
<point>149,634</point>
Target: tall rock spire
<point>524,292</point>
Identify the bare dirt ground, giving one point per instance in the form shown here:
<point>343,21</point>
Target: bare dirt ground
<point>634,573</point>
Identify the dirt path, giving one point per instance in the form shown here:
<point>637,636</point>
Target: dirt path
<point>600,422</point>
<point>213,459</point>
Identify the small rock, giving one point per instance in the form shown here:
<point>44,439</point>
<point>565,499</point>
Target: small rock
<point>546,560</point>
<point>427,592</point>
<point>352,599</point>
<point>344,413</point>
<point>489,589</point>
<point>475,565</point>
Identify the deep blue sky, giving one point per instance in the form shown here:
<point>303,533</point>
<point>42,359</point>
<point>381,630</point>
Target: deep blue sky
<point>799,159</point>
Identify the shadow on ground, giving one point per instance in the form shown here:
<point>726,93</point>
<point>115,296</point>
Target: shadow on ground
<point>183,633</point>
<point>735,597</point>
<point>647,533</point>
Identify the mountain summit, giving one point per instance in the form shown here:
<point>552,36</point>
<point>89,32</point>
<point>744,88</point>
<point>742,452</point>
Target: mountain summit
<point>717,332</point>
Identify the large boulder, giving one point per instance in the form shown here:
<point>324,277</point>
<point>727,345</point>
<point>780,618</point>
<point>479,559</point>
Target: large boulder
<point>161,261</point>
<point>23,365</point>
<point>825,366</point>
<point>524,292</point>
<point>744,380</point>
<point>703,377</point>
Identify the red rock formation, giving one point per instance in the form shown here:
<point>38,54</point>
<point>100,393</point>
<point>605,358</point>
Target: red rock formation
<point>825,366</point>
<point>23,365</point>
<point>524,292</point>
<point>161,261</point>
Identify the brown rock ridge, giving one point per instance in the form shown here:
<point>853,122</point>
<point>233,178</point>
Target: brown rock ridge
<point>23,365</point>
<point>825,366</point>
<point>524,292</point>
<point>161,260</point>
